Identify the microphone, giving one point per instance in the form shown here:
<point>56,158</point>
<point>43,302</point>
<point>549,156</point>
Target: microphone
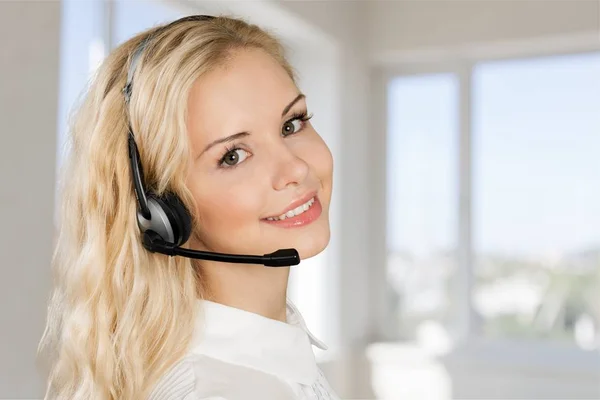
<point>280,258</point>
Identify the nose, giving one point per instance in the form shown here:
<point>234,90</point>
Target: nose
<point>291,169</point>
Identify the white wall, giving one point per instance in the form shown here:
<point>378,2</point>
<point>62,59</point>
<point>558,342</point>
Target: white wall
<point>397,27</point>
<point>29,48</point>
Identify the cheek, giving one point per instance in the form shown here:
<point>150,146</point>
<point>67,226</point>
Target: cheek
<point>226,210</point>
<point>321,160</point>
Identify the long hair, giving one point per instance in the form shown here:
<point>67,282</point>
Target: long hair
<point>120,316</point>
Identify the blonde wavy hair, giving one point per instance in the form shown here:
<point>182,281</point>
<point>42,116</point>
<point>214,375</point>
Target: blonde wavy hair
<point>120,316</point>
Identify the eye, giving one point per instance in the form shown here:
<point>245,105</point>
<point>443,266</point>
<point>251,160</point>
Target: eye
<point>233,157</point>
<point>291,127</point>
<point>295,124</point>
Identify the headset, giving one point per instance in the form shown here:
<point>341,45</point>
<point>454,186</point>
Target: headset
<point>164,221</point>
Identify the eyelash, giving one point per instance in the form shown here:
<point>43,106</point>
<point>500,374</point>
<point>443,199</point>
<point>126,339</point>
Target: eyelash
<point>298,115</point>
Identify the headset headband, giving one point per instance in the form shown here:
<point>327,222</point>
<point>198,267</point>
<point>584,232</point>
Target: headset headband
<point>134,155</point>
<point>135,58</point>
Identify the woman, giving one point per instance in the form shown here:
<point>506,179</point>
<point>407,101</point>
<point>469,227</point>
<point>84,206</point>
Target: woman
<point>220,124</point>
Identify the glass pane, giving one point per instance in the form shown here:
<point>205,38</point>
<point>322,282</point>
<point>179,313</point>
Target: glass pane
<point>422,206</point>
<point>536,195</point>
<point>81,50</point>
<point>133,17</point>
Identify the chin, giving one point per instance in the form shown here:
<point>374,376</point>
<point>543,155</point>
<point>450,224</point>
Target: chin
<point>313,243</point>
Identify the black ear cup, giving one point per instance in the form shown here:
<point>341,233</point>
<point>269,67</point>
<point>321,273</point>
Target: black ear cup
<point>178,216</point>
<point>181,211</point>
<point>160,218</point>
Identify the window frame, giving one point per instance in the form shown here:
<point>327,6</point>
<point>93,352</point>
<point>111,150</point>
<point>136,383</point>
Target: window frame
<point>468,344</point>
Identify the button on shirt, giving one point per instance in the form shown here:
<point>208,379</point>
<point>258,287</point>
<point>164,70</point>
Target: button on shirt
<point>239,355</point>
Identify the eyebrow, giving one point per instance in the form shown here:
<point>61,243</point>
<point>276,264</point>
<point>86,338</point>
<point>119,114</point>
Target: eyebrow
<point>244,134</point>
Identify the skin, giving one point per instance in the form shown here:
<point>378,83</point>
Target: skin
<point>271,170</point>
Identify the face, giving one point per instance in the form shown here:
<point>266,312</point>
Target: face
<point>255,158</point>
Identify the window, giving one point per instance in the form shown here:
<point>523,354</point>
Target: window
<point>132,17</point>
<point>533,265</point>
<point>536,192</point>
<point>81,51</point>
<point>421,196</point>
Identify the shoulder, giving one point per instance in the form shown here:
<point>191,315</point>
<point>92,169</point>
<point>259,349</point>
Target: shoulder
<point>180,382</point>
<point>200,377</point>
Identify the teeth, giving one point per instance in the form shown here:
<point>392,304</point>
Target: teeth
<point>296,211</point>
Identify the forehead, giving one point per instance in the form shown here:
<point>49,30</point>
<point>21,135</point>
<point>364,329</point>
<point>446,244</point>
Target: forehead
<point>251,89</point>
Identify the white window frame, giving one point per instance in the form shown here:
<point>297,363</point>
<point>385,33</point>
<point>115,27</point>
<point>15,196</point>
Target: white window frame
<point>461,62</point>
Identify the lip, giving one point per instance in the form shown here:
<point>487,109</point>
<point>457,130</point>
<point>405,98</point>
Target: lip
<point>307,217</point>
<point>296,203</point>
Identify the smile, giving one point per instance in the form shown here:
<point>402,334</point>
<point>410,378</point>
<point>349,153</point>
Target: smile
<point>295,212</point>
<point>302,215</point>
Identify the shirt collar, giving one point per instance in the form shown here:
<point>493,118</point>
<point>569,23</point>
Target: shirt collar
<point>240,337</point>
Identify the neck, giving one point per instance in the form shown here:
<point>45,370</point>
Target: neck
<point>249,287</point>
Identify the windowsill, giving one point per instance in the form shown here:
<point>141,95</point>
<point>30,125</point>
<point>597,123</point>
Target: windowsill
<point>526,355</point>
<point>484,369</point>
<point>522,354</point>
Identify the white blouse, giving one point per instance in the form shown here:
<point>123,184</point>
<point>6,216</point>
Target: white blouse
<point>239,355</point>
